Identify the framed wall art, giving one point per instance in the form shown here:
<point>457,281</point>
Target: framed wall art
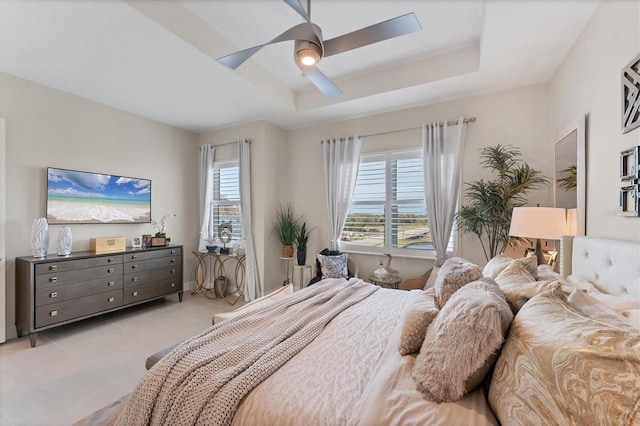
<point>631,95</point>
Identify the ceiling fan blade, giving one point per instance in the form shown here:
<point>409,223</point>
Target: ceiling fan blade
<point>295,5</point>
<point>395,27</point>
<point>299,32</point>
<point>321,81</point>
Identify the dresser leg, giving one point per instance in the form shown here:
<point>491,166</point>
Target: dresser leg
<point>180,297</point>
<point>33,337</point>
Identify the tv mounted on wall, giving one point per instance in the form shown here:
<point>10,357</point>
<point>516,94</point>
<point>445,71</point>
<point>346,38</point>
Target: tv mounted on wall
<point>83,197</point>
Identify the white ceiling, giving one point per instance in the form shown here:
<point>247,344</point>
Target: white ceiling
<point>157,58</point>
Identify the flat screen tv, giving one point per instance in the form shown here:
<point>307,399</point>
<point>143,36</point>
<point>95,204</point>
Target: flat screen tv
<point>83,197</point>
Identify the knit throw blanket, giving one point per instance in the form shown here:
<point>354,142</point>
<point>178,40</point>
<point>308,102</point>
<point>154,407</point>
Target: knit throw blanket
<point>203,380</point>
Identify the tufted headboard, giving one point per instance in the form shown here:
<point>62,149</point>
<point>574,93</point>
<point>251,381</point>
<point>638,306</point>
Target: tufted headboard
<point>611,266</point>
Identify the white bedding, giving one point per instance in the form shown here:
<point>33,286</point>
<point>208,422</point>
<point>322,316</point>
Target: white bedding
<point>346,377</point>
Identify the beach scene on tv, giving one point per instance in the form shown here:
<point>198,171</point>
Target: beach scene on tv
<point>83,197</point>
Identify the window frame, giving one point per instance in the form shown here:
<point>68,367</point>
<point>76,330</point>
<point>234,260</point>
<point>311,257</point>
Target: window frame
<point>216,203</point>
<point>388,157</point>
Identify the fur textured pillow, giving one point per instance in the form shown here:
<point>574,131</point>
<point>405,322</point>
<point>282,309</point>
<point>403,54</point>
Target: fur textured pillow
<point>519,285</point>
<point>463,342</point>
<point>501,261</point>
<point>454,273</point>
<point>416,319</point>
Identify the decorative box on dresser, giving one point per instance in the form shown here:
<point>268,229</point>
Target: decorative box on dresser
<point>55,290</point>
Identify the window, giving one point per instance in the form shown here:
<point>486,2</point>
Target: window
<point>226,197</point>
<point>388,212</point>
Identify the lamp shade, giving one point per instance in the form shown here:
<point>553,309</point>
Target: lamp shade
<point>572,222</point>
<point>547,223</point>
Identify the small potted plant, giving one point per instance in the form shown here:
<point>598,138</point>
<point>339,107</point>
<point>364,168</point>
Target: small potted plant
<point>286,228</point>
<point>302,236</point>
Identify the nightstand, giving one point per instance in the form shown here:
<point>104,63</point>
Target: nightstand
<point>390,281</point>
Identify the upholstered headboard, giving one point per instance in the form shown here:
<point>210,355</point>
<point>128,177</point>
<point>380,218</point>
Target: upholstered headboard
<point>611,266</point>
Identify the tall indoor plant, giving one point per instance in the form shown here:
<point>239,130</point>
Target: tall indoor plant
<point>302,237</point>
<point>286,228</point>
<point>490,203</point>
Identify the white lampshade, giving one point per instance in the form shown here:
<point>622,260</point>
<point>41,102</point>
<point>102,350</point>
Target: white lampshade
<point>547,223</point>
<point>572,222</point>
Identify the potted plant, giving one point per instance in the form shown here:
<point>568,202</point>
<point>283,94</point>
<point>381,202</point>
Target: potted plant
<point>286,228</point>
<point>491,203</point>
<point>302,236</point>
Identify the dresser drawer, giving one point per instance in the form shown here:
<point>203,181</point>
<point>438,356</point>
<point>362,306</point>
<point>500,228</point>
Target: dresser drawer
<point>47,296</point>
<point>141,292</point>
<point>69,277</point>
<point>171,272</point>
<point>62,265</point>
<point>144,265</point>
<point>64,311</point>
<point>153,254</point>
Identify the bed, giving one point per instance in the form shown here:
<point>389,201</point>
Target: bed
<point>345,367</point>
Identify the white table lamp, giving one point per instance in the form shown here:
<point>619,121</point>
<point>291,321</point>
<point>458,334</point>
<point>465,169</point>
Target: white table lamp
<point>547,223</point>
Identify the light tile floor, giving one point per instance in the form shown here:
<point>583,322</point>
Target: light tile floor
<point>79,368</point>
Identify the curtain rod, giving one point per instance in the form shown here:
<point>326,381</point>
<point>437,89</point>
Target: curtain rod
<point>248,140</point>
<point>449,123</point>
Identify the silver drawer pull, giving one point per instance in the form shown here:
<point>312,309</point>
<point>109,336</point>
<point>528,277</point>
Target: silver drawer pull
<point>111,283</point>
<point>134,266</point>
<point>54,294</point>
<point>173,284</point>
<point>110,260</point>
<point>111,299</point>
<point>53,313</point>
<point>134,294</point>
<point>134,257</point>
<point>173,261</point>
<point>53,279</point>
<point>53,267</point>
<point>173,271</point>
<point>172,252</point>
<point>111,270</point>
<point>134,279</point>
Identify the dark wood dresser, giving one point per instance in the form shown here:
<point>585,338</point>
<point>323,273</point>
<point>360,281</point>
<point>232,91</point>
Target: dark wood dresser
<point>57,290</point>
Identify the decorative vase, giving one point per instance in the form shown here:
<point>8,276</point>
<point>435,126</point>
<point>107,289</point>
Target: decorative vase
<point>40,237</point>
<point>287,251</point>
<point>65,240</point>
<point>302,257</point>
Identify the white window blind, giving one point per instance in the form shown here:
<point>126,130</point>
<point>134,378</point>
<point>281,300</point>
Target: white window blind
<point>388,211</point>
<point>226,197</point>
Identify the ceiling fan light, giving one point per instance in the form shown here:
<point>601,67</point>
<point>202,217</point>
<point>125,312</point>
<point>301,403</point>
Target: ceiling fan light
<point>307,53</point>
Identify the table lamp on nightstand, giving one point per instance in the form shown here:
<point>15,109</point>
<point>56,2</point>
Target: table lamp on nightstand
<point>546,223</point>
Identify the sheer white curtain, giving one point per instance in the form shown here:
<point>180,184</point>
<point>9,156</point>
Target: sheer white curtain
<point>251,279</point>
<point>442,149</point>
<point>341,161</point>
<point>207,228</point>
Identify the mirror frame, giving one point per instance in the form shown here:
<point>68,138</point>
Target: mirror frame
<point>578,126</point>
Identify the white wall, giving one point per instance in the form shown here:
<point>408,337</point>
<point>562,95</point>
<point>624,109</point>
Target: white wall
<point>46,127</point>
<point>589,82</point>
<point>516,117</point>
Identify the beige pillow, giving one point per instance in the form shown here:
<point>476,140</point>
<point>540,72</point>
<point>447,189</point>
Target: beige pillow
<point>496,265</point>
<point>432,278</point>
<point>268,299</point>
<point>462,342</point>
<point>416,319</point>
<point>519,285</point>
<point>453,274</point>
<point>559,366</point>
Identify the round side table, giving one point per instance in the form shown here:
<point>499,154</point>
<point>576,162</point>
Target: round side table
<point>390,281</point>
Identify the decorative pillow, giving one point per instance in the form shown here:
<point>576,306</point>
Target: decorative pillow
<point>432,278</point>
<point>260,302</point>
<point>416,319</point>
<point>559,366</point>
<point>519,285</point>
<point>501,261</point>
<point>333,266</point>
<point>624,309</point>
<point>463,342</point>
<point>453,274</point>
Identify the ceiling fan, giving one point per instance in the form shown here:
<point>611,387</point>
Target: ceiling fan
<point>310,48</point>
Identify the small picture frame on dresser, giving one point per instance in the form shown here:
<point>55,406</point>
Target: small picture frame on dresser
<point>136,242</point>
<point>146,240</point>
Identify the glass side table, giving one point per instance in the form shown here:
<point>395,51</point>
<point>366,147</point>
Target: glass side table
<point>390,281</point>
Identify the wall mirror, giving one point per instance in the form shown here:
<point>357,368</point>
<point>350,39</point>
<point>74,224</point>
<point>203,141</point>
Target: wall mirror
<point>569,179</point>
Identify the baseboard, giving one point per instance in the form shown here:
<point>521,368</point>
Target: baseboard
<point>189,286</point>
